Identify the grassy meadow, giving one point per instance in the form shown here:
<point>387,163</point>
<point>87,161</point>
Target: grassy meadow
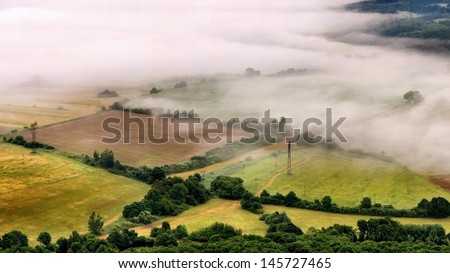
<point>215,210</point>
<point>346,177</point>
<point>48,192</point>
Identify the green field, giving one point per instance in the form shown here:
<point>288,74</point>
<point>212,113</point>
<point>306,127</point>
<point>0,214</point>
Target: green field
<point>346,177</point>
<point>230,212</point>
<point>48,192</point>
<point>317,219</point>
<point>215,210</point>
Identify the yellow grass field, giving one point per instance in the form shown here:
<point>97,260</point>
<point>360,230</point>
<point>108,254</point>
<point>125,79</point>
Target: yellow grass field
<point>48,192</point>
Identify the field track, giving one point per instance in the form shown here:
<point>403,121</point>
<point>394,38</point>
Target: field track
<point>228,205</point>
<point>273,178</point>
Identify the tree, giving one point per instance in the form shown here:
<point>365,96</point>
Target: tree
<point>133,209</point>
<point>280,222</point>
<point>14,238</point>
<point>180,232</point>
<point>166,227</point>
<point>75,248</point>
<point>179,192</point>
<point>291,199</point>
<point>251,72</point>
<point>44,238</point>
<point>251,203</point>
<point>96,156</point>
<point>122,240</point>
<point>228,187</point>
<point>107,159</point>
<point>155,90</point>
<point>166,239</point>
<point>413,97</point>
<point>439,207</point>
<point>95,223</point>
<point>220,229</point>
<point>327,203</point>
<point>366,203</point>
<point>198,176</point>
<point>158,174</point>
<point>62,245</point>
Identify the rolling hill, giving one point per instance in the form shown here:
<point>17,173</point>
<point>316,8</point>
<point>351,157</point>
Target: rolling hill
<point>48,192</point>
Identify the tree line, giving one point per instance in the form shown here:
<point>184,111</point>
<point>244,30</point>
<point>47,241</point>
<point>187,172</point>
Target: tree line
<point>20,140</point>
<point>107,161</point>
<point>233,188</point>
<point>438,207</point>
<point>216,155</point>
<point>371,236</point>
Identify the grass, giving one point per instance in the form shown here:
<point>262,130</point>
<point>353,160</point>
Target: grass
<point>14,116</point>
<point>48,192</point>
<point>229,212</point>
<point>255,167</point>
<point>306,219</point>
<point>215,210</point>
<point>346,177</point>
<point>75,103</point>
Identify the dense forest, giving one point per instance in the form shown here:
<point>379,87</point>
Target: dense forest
<point>428,19</point>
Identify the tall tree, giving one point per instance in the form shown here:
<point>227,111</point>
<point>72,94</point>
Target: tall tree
<point>107,159</point>
<point>95,223</point>
<point>366,203</point>
<point>44,238</point>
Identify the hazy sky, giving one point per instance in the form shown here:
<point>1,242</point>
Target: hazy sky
<point>95,42</point>
<point>80,40</point>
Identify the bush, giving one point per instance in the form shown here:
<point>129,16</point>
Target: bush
<point>145,217</point>
<point>228,187</point>
<point>180,232</point>
<point>166,239</point>
<point>251,203</point>
<point>224,231</point>
<point>122,239</point>
<point>280,222</point>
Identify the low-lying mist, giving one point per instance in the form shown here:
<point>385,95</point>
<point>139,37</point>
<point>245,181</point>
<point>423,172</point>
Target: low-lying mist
<point>136,43</point>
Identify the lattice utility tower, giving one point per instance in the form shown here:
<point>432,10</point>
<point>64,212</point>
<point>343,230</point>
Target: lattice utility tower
<point>289,163</point>
<point>33,128</point>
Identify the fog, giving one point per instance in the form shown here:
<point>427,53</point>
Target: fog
<point>359,75</point>
<point>136,40</point>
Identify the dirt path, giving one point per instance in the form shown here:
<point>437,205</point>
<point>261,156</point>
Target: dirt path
<point>228,205</point>
<point>114,219</point>
<point>273,178</point>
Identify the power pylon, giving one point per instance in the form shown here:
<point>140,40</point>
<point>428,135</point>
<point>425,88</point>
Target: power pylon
<point>33,128</point>
<point>289,163</point>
